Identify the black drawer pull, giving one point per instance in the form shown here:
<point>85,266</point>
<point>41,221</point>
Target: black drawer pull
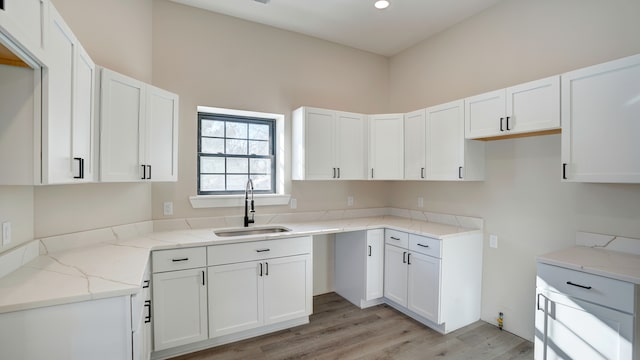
<point>145,284</point>
<point>394,238</point>
<point>182,259</point>
<point>147,318</point>
<point>263,250</point>
<point>578,285</point>
<point>369,250</point>
<point>423,245</point>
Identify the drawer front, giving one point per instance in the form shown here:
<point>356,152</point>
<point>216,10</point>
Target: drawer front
<point>597,289</point>
<point>425,245</point>
<point>179,259</point>
<point>397,238</point>
<point>258,250</point>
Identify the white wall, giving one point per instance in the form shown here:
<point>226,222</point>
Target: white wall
<point>522,199</point>
<point>215,60</point>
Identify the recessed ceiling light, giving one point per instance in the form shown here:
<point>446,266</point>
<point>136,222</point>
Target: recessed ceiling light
<point>381,4</point>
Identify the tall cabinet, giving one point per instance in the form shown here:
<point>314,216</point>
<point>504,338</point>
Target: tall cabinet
<point>600,122</point>
<point>139,130</point>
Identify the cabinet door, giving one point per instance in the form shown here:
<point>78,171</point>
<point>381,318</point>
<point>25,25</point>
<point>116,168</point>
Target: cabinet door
<point>445,141</point>
<point>25,21</point>
<point>386,147</point>
<point>235,297</point>
<point>600,124</point>
<point>395,274</point>
<point>319,144</point>
<point>568,328</point>
<point>375,264</point>
<point>83,130</point>
<point>484,114</point>
<point>122,109</point>
<point>534,106</point>
<point>424,286</point>
<point>56,128</point>
<point>415,142</point>
<point>179,308</point>
<point>351,146</point>
<point>161,135</point>
<point>287,288</point>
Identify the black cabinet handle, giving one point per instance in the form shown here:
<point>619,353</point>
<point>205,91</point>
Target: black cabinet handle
<point>147,318</point>
<point>508,123</point>
<point>334,173</point>
<point>423,245</point>
<point>149,175</point>
<point>459,172</point>
<point>564,171</point>
<point>404,257</point>
<point>145,284</point>
<point>372,173</point>
<point>409,259</point>
<point>338,173</point>
<point>260,269</point>
<point>144,172</point>
<point>369,250</point>
<point>501,128</point>
<point>80,168</point>
<point>422,173</point>
<point>202,277</point>
<point>266,271</point>
<point>578,285</point>
<point>181,259</point>
<point>263,250</point>
<point>394,238</point>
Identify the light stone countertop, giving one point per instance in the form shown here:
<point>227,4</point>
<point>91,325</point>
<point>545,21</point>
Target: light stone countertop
<point>109,268</point>
<point>598,261</point>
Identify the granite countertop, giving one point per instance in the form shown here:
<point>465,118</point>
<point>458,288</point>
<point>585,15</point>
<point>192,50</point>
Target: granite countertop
<point>597,260</point>
<point>113,267</point>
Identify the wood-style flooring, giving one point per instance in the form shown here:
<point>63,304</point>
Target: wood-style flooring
<point>340,330</point>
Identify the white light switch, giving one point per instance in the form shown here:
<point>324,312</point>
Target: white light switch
<point>349,200</point>
<point>293,203</point>
<point>6,233</point>
<point>421,202</point>
<point>168,208</point>
<point>493,241</point>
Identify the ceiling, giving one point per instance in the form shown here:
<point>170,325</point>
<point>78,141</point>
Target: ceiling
<point>354,23</point>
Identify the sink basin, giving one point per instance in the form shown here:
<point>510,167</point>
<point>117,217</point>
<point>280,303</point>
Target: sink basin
<point>251,231</point>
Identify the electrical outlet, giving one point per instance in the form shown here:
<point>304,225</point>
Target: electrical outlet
<point>6,233</point>
<point>349,200</point>
<point>293,203</point>
<point>420,202</point>
<point>168,208</point>
<point>493,241</point>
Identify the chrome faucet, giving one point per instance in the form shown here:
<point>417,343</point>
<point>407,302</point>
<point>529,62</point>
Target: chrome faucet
<point>248,221</point>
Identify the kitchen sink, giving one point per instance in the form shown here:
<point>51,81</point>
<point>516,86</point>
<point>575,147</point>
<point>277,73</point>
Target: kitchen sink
<point>251,231</point>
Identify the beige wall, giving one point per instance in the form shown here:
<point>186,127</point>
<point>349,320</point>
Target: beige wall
<point>16,207</point>
<point>522,199</point>
<point>216,60</point>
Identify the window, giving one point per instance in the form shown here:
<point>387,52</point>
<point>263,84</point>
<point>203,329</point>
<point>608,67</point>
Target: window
<point>232,149</point>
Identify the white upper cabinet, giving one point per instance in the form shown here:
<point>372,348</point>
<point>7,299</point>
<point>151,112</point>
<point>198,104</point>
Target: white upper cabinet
<point>138,130</point>
<point>68,146</point>
<point>526,108</point>
<point>328,145</point>
<point>415,143</point>
<point>449,156</point>
<point>386,147</point>
<point>600,107</point>
<point>26,21</point>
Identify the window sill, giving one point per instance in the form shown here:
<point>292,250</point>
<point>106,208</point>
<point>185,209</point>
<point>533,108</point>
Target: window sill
<point>218,201</point>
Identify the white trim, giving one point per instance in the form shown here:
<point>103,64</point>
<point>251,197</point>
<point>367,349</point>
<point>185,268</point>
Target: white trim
<point>214,201</point>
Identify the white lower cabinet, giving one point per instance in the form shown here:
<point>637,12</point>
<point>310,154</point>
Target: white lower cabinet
<point>359,266</point>
<point>96,329</point>
<point>584,316</point>
<point>141,320</point>
<point>179,297</point>
<point>437,282</point>
<point>249,294</point>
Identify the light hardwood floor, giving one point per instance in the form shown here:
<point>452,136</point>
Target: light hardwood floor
<point>339,330</point>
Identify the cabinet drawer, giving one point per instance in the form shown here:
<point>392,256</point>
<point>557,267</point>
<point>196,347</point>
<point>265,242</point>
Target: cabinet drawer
<point>397,238</point>
<point>258,250</point>
<point>597,289</point>
<point>179,259</point>
<point>425,245</point>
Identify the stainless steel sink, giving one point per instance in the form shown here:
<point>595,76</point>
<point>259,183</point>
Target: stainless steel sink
<point>251,231</point>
